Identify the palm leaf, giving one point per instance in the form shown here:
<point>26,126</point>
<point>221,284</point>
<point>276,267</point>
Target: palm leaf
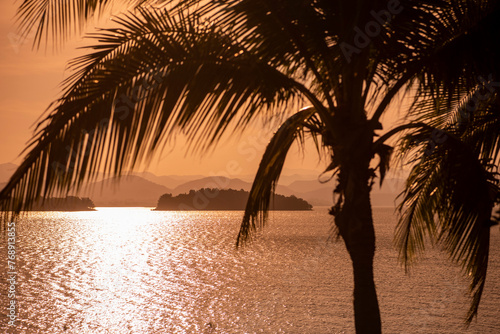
<point>147,79</point>
<point>450,195</point>
<point>450,65</point>
<point>57,20</point>
<point>269,172</point>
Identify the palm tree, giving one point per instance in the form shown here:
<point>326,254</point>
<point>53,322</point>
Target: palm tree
<point>203,68</point>
<point>453,186</point>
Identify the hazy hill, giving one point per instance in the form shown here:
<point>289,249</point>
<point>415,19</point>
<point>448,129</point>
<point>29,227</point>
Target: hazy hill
<point>321,194</point>
<point>290,175</point>
<point>319,197</point>
<point>324,197</point>
<point>169,181</point>
<point>303,186</point>
<point>129,191</point>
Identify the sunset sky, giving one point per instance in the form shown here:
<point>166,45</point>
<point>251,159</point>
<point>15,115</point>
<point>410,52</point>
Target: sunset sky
<point>30,82</point>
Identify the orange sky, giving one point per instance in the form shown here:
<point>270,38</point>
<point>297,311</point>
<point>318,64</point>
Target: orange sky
<point>29,83</point>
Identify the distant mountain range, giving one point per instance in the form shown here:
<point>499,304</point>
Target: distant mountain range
<point>144,189</point>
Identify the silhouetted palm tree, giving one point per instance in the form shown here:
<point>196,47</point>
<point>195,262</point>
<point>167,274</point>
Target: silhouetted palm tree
<point>453,186</point>
<point>201,66</point>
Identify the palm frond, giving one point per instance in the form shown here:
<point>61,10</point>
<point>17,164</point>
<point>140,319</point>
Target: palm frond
<point>149,78</point>
<point>269,172</point>
<point>57,20</point>
<point>457,60</point>
<point>450,195</point>
<point>439,52</point>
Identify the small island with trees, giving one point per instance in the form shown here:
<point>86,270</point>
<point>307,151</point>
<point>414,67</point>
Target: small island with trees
<point>68,203</point>
<point>228,199</point>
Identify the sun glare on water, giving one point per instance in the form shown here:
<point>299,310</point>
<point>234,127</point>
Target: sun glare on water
<point>117,241</point>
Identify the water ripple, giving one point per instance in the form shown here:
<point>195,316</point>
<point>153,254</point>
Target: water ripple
<point>132,270</point>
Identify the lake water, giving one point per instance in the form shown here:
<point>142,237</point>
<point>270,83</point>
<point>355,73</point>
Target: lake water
<point>132,270</point>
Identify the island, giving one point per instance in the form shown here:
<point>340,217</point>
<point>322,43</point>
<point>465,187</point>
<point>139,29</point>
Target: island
<point>227,199</point>
<point>68,203</point>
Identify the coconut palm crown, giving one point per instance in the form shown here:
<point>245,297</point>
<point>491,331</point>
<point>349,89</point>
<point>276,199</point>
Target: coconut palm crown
<point>329,69</point>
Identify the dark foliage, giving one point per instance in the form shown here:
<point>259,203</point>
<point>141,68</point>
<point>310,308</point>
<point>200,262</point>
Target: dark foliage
<point>230,199</point>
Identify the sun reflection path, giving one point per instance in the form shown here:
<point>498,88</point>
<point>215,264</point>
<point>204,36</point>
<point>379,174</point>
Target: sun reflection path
<point>117,240</point>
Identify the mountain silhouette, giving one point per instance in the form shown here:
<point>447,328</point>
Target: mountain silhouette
<point>169,181</point>
<point>144,188</point>
<point>128,191</point>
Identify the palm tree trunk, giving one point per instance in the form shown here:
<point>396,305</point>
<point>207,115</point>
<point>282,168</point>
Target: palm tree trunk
<point>359,236</point>
<point>366,309</point>
<point>353,217</point>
